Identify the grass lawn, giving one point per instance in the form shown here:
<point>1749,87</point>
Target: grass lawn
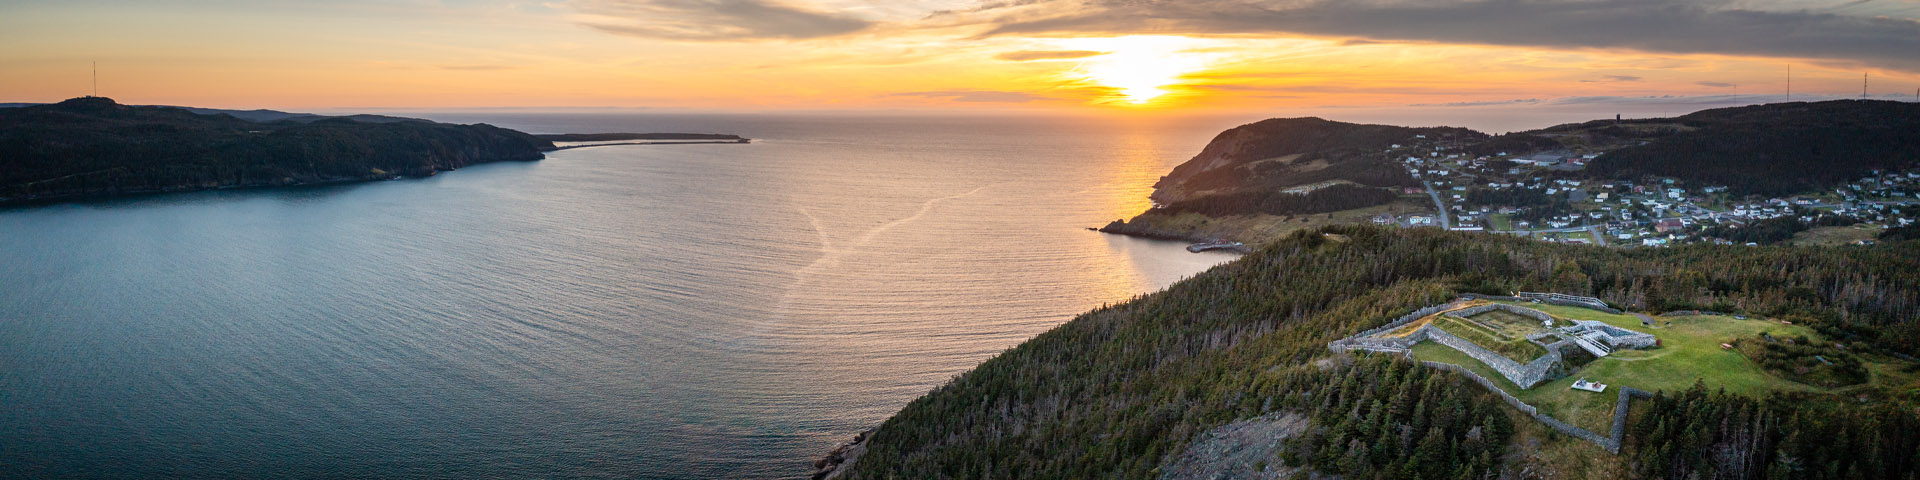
<point>1255,229</point>
<point>1826,236</point>
<point>1509,324</point>
<point>1501,221</point>
<point>1588,410</point>
<point>1517,349</point>
<point>1689,350</point>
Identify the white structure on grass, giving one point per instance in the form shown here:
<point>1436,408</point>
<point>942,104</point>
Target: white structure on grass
<point>1601,339</point>
<point>1583,384</point>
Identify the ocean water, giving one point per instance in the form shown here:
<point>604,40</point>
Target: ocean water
<point>666,311</point>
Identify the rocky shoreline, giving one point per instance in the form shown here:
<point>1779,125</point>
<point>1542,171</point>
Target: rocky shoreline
<point>832,465</point>
<point>1142,230</point>
<point>1146,230</point>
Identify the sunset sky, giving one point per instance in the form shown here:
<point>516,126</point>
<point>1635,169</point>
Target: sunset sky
<point>758,55</point>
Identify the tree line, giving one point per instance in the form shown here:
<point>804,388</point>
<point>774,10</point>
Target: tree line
<point>1118,390</point>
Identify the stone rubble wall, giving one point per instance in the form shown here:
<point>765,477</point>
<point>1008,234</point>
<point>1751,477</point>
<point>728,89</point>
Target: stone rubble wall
<point>1627,394</point>
<point>1569,300</point>
<point>1381,344</point>
<point>1686,313</point>
<point>1522,311</point>
<point>1612,445</point>
<point>1524,376</point>
<point>1366,340</point>
<point>1620,337</point>
<point>1476,296</point>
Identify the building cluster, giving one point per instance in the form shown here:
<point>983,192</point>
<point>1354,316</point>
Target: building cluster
<point>1538,195</point>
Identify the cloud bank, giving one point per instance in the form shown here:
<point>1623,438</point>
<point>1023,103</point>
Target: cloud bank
<point>991,96</point>
<point>1728,27</point>
<point>1664,26</point>
<point>1027,55</point>
<point>713,20</point>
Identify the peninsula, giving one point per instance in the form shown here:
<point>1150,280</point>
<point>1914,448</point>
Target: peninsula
<point>1830,172</point>
<point>94,147</point>
<point>610,137</point>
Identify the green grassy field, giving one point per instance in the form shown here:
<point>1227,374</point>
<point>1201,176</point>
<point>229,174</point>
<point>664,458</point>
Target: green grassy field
<point>1588,410</point>
<point>1509,324</point>
<point>1689,351</point>
<point>1827,236</point>
<point>1255,229</point>
<point>1501,221</point>
<point>1517,349</point>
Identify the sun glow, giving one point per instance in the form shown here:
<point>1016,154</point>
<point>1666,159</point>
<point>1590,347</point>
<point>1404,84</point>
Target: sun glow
<point>1140,68</point>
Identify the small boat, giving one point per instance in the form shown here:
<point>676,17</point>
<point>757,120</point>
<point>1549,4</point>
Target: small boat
<point>1215,245</point>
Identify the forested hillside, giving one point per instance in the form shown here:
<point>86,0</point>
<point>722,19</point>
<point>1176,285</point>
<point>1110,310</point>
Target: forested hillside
<point>1117,391</point>
<point>1275,154</point>
<point>93,146</point>
<point>1776,149</point>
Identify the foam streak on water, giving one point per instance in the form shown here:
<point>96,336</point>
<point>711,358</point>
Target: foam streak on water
<point>666,311</point>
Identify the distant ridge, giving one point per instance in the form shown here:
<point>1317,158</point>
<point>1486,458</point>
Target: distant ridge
<point>1759,149</point>
<point>255,115</point>
<point>1773,149</point>
<point>93,146</point>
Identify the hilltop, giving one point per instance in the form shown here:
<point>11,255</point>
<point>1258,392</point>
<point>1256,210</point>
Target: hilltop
<point>1173,382</point>
<point>94,146</point>
<point>1604,181</point>
<point>1282,153</point>
<point>1774,149</point>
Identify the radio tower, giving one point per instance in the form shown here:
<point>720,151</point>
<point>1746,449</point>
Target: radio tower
<point>1863,85</point>
<point>96,78</point>
<point>1789,82</point>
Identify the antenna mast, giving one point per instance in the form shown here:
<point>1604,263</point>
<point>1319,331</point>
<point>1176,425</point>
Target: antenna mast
<point>1863,85</point>
<point>96,78</point>
<point>1789,82</point>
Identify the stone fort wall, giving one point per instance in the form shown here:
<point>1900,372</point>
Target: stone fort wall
<point>1522,311</point>
<point>1524,376</point>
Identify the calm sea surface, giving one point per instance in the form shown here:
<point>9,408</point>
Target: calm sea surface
<point>679,311</point>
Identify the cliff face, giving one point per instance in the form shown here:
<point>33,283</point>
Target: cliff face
<point>93,146</point>
<point>1281,153</point>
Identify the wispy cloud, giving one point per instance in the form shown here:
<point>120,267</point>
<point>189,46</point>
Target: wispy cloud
<point>1715,84</point>
<point>1668,26</point>
<point>1484,103</point>
<point>1026,55</point>
<point>1671,100</point>
<point>993,96</point>
<point>710,20</point>
<point>1614,78</point>
<point>480,68</point>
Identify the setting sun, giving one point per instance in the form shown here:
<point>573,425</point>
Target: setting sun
<point>1139,68</point>
<point>864,239</point>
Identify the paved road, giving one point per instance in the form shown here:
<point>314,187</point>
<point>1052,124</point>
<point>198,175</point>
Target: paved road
<point>1598,238</point>
<point>1548,230</point>
<point>1446,221</point>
